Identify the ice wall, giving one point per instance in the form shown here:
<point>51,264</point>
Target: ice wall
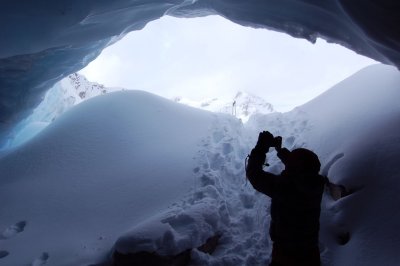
<point>43,41</point>
<point>66,93</point>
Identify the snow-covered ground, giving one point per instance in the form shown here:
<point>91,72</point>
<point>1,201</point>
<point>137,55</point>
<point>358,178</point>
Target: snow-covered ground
<point>96,171</point>
<point>354,128</point>
<point>131,171</point>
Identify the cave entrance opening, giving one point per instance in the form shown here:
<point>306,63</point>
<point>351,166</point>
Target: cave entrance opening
<point>204,62</point>
<point>211,57</point>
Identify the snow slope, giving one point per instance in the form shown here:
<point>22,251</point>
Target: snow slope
<point>354,128</point>
<point>92,174</point>
<point>363,128</point>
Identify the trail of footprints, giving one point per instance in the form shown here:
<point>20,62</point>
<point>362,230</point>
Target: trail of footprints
<point>42,260</point>
<point>11,232</point>
<point>221,158</point>
<point>221,176</point>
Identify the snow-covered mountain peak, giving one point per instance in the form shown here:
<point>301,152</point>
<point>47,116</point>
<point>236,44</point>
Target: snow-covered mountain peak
<point>80,86</point>
<point>243,105</point>
<point>250,104</point>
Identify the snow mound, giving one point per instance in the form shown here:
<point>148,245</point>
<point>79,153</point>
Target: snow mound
<point>362,128</point>
<point>105,173</point>
<point>74,188</point>
<point>353,127</point>
<point>172,233</point>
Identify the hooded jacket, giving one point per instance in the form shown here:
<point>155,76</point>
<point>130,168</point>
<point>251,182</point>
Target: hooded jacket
<point>295,203</point>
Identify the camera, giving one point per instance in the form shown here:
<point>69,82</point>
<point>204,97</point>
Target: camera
<point>266,140</point>
<point>277,142</point>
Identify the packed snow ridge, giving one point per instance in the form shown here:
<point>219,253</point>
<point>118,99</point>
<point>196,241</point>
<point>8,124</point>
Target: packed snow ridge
<point>105,179</point>
<point>43,42</point>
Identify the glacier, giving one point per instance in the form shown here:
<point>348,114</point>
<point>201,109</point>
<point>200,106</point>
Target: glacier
<point>44,41</point>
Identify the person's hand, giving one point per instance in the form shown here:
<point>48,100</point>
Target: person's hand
<point>265,141</point>
<point>278,143</point>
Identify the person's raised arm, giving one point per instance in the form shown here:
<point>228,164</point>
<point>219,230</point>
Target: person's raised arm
<point>262,181</point>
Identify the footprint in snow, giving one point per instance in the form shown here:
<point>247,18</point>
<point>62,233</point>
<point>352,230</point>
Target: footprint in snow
<point>13,230</point>
<point>3,253</point>
<point>42,260</point>
<point>227,148</point>
<point>217,161</point>
<point>217,136</point>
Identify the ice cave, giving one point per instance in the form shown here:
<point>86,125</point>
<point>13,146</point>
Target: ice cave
<point>131,172</point>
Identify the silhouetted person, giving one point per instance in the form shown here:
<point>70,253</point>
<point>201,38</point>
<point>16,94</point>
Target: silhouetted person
<point>295,201</point>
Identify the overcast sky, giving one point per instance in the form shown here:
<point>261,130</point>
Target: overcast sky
<point>213,57</point>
